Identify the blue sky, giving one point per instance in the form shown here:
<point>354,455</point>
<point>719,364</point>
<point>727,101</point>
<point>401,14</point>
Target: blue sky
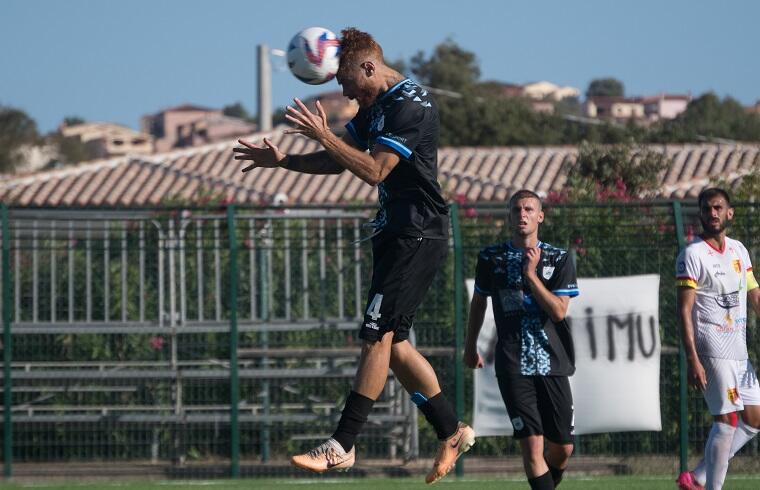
<point>114,60</point>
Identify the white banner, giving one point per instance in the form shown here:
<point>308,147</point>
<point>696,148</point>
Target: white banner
<point>616,386</point>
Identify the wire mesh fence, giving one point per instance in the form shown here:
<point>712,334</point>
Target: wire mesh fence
<point>205,342</point>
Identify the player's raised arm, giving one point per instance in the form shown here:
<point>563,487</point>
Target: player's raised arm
<point>554,306</point>
<point>371,168</point>
<point>270,156</point>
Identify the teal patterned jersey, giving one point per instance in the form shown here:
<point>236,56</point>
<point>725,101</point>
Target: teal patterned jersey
<point>529,342</point>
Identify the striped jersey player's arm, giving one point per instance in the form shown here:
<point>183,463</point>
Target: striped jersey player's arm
<point>751,281</point>
<point>686,282</point>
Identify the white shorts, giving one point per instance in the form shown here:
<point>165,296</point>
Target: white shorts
<point>731,384</point>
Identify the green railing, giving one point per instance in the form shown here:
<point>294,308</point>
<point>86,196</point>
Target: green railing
<point>201,342</point>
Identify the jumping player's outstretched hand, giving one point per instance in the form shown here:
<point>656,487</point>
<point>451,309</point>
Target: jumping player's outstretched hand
<point>268,156</point>
<point>472,359</point>
<point>311,125</point>
<point>697,377</point>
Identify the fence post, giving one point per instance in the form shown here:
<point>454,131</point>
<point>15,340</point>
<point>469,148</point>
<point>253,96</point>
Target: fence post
<point>683,422</point>
<point>7,394</point>
<point>459,321</point>
<point>234,383</point>
<point>265,248</point>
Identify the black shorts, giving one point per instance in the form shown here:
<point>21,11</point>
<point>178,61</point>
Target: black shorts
<point>403,269</point>
<point>539,405</point>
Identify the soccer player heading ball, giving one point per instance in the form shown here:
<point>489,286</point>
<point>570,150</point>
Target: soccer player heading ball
<point>714,279</point>
<point>530,284</point>
<point>391,143</point>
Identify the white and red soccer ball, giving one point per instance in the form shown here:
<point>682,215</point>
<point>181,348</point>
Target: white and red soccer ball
<point>313,55</point>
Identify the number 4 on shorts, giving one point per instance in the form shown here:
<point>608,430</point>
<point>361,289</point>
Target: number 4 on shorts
<point>374,308</point>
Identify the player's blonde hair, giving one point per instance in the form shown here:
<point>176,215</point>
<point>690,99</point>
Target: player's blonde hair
<point>355,47</point>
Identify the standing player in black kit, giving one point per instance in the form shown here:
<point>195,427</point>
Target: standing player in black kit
<point>392,143</point>
<point>530,284</point>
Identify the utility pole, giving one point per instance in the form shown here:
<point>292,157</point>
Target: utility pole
<point>264,72</point>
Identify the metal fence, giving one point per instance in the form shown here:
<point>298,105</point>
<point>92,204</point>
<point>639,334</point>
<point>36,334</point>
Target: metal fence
<point>201,342</point>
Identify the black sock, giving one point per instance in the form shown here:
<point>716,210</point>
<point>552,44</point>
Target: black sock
<point>439,412</point>
<point>543,482</point>
<point>556,474</point>
<point>353,418</point>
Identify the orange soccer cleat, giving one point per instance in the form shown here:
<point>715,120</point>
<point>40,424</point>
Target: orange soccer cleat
<point>449,451</point>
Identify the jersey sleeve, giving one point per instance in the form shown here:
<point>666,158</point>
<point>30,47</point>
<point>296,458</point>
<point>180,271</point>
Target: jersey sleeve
<point>483,273</point>
<point>751,280</point>
<point>403,127</point>
<point>687,269</point>
<point>358,128</point>
<point>563,281</point>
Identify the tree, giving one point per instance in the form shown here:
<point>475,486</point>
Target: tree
<point>569,106</point>
<point>69,121</point>
<point>708,117</point>
<point>614,172</point>
<point>475,113</point>
<point>17,130</point>
<point>450,67</point>
<point>399,65</point>
<point>605,86</point>
<point>70,150</point>
<point>238,110</point>
<point>748,187</point>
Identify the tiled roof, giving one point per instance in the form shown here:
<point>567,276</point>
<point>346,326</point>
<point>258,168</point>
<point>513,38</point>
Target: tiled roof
<point>476,173</point>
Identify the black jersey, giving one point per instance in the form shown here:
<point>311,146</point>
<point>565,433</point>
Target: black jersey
<point>529,342</point>
<point>405,119</point>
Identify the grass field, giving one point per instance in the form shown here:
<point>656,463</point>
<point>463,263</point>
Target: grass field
<point>740,482</point>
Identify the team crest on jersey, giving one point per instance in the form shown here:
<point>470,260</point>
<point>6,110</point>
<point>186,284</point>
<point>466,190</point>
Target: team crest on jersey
<point>733,395</point>
<point>377,124</point>
<point>517,423</point>
<point>547,272</point>
<point>737,266</point>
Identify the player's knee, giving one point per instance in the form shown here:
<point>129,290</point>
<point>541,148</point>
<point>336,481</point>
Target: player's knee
<point>400,352</point>
<point>533,448</point>
<point>536,460</point>
<point>559,454</point>
<point>533,456</point>
<point>565,451</point>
